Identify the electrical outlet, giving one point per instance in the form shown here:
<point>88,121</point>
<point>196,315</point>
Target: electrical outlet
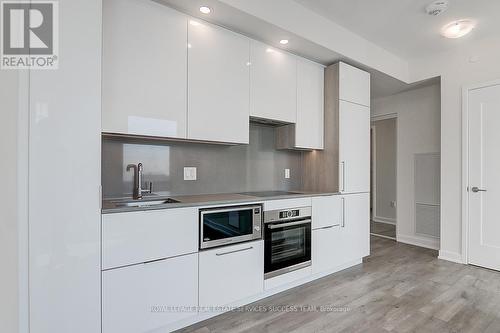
<point>189,173</point>
<point>287,173</point>
<point>393,204</point>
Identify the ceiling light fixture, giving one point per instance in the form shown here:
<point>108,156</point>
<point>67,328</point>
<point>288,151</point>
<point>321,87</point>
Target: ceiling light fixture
<point>205,10</point>
<point>284,41</point>
<point>457,29</point>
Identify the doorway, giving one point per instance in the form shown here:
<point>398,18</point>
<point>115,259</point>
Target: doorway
<point>481,178</point>
<point>384,182</point>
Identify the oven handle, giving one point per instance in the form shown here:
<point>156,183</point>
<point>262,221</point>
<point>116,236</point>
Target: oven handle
<point>290,224</point>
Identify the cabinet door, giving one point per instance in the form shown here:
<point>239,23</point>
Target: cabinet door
<point>327,252</point>
<point>218,78</point>
<point>273,84</point>
<point>310,110</point>
<point>354,84</point>
<point>355,228</point>
<point>144,69</point>
<point>231,273</point>
<point>137,237</point>
<point>143,297</point>
<point>326,211</point>
<point>354,148</point>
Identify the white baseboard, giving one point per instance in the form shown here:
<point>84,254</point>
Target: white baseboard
<point>451,256</point>
<point>385,220</point>
<point>427,242</point>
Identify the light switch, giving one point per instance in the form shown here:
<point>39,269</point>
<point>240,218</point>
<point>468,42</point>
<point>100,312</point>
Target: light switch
<point>189,173</point>
<point>287,173</point>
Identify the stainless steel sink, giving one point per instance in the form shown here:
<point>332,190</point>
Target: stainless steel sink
<point>144,202</point>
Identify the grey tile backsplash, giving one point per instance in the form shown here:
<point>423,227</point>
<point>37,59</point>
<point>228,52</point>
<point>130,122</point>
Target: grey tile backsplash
<point>220,169</point>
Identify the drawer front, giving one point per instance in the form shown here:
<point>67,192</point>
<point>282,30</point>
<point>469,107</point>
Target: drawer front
<point>326,249</point>
<point>143,297</point>
<point>326,211</point>
<point>231,273</point>
<point>286,203</point>
<point>137,237</point>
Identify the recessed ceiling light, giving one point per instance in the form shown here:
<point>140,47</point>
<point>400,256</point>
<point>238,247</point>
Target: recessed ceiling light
<point>457,29</point>
<point>205,10</point>
<point>284,41</point>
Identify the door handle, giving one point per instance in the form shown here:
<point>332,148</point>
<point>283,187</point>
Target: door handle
<point>343,176</point>
<point>234,251</point>
<point>343,213</point>
<point>477,189</point>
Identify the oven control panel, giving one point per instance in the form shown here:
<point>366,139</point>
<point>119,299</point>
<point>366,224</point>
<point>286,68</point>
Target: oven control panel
<point>289,213</point>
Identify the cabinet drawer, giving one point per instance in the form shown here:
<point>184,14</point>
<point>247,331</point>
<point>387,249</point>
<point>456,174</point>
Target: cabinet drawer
<point>286,204</point>
<point>326,211</point>
<point>326,249</point>
<point>137,237</point>
<point>143,297</point>
<point>231,273</point>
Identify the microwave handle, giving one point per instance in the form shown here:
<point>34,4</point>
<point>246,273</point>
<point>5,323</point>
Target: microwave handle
<point>290,224</point>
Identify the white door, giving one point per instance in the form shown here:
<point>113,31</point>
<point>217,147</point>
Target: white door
<point>354,148</point>
<point>484,177</point>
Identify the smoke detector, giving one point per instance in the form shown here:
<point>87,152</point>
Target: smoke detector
<point>437,7</point>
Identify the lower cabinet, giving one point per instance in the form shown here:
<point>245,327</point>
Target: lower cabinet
<point>341,230</point>
<point>147,296</point>
<point>231,273</point>
<point>356,226</point>
<point>326,249</point>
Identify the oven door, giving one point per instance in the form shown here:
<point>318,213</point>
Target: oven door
<point>287,247</point>
<point>230,225</point>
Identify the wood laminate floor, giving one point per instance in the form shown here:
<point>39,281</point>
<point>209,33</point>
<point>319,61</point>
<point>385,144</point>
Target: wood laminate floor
<point>399,288</point>
<point>383,229</point>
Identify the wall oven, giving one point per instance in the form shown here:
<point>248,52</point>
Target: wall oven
<point>229,225</point>
<point>287,240</point>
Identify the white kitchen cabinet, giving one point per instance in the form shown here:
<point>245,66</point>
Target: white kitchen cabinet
<point>273,84</point>
<point>307,132</point>
<point>147,296</point>
<point>218,84</point>
<point>355,228</point>
<point>136,237</point>
<point>231,273</point>
<point>327,252</point>
<point>354,148</point>
<point>144,69</point>
<point>326,211</point>
<point>354,84</point>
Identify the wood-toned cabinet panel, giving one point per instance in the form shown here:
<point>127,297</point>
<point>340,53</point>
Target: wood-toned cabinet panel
<point>218,81</point>
<point>144,69</point>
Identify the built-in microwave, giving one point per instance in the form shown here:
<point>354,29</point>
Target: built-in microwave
<point>229,225</point>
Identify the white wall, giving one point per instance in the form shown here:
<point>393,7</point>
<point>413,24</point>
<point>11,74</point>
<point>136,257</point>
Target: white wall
<point>385,169</point>
<point>9,283</point>
<point>418,131</point>
<point>457,69</point>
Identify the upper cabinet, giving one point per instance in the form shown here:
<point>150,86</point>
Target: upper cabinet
<point>354,84</point>
<point>144,69</point>
<point>218,84</point>
<point>307,132</point>
<point>344,164</point>
<point>273,84</point>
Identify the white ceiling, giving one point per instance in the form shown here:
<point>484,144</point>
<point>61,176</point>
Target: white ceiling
<point>402,26</point>
<point>223,15</point>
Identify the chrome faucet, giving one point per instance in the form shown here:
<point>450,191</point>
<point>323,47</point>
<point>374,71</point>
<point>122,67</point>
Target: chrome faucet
<point>138,190</point>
